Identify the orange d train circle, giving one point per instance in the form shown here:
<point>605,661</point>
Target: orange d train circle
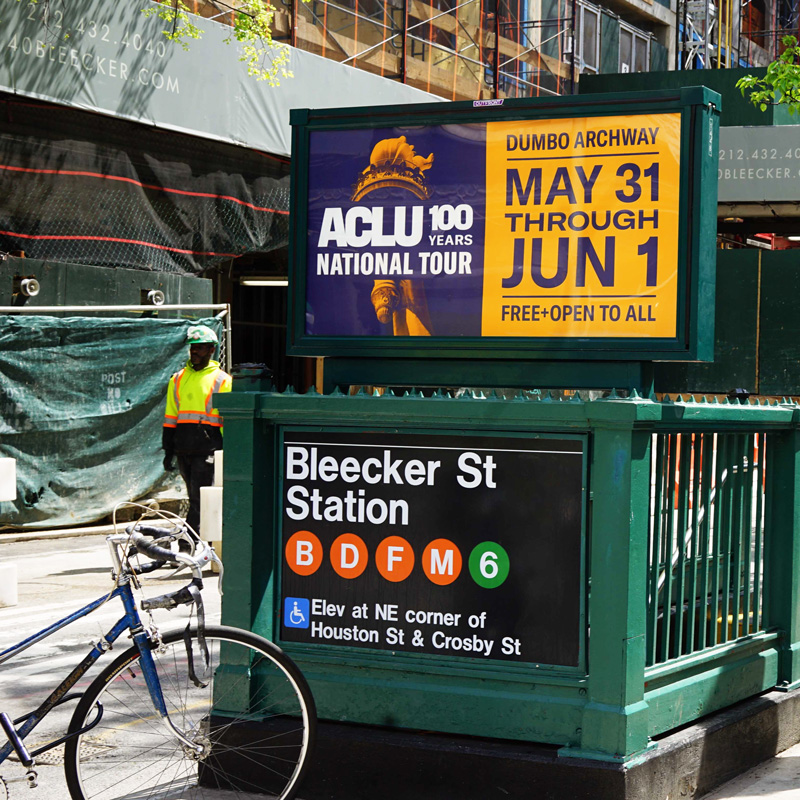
<point>349,556</point>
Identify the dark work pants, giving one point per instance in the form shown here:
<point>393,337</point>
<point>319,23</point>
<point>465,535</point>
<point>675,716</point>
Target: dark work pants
<point>197,469</point>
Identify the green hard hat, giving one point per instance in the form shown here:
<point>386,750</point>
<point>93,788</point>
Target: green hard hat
<point>200,334</point>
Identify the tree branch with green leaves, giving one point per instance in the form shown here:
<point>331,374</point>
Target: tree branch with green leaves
<point>265,59</point>
<point>781,84</point>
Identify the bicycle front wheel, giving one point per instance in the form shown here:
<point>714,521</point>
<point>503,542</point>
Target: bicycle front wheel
<point>248,709</point>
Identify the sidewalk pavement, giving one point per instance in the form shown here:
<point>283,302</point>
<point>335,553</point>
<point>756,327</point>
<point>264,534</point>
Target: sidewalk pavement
<point>163,501</point>
<point>779,778</point>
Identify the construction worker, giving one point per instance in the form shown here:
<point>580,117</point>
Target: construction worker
<point>192,427</point>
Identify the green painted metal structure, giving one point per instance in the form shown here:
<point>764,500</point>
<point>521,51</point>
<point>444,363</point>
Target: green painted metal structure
<point>80,284</point>
<point>690,532</point>
<point>757,329</point>
<point>736,110</point>
<point>690,520</point>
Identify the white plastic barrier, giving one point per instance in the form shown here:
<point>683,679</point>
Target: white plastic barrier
<point>211,513</point>
<point>8,479</point>
<point>218,468</point>
<point>8,584</point>
<point>211,507</point>
<point>8,572</point>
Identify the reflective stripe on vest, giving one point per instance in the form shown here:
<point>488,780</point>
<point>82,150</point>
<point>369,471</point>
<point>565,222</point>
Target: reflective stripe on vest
<point>175,385</point>
<point>194,416</point>
<point>215,388</point>
<point>210,417</point>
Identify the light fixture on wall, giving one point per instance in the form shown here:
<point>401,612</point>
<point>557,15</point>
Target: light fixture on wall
<point>152,297</point>
<point>29,287</point>
<point>25,287</point>
<point>264,280</point>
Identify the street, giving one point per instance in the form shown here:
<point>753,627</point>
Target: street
<point>55,578</point>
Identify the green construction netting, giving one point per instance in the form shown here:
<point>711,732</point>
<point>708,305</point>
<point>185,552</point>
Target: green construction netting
<point>81,409</point>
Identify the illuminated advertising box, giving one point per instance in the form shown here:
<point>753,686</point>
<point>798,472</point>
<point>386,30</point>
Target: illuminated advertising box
<point>566,228</point>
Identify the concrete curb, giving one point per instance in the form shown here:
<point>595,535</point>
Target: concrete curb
<point>168,503</point>
<point>61,533</point>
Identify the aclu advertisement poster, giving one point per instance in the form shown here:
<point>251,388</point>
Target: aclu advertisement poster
<point>469,547</point>
<point>554,228</point>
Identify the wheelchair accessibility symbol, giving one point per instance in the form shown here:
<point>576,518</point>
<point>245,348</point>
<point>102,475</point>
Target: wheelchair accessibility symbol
<point>296,612</point>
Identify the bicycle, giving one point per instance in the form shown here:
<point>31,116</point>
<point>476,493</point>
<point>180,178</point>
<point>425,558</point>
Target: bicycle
<point>186,714</point>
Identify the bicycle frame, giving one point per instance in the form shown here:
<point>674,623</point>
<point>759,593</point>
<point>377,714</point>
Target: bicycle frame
<point>129,621</point>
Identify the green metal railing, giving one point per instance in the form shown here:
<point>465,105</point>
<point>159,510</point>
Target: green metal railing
<point>693,565</point>
<point>706,541</point>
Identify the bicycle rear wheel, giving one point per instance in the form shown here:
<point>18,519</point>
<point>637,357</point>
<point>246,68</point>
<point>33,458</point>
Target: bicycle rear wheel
<point>254,717</point>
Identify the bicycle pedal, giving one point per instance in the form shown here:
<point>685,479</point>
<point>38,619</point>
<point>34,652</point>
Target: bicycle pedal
<point>32,777</point>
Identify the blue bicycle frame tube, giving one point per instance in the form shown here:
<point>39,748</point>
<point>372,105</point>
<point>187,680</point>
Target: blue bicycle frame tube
<point>6,655</point>
<point>130,622</point>
<point>146,661</point>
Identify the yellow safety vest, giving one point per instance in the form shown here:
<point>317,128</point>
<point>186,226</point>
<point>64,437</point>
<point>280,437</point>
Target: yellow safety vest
<point>190,395</point>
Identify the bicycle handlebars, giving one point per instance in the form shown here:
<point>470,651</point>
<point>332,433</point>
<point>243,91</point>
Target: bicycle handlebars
<point>140,537</point>
<point>156,532</point>
<point>145,545</point>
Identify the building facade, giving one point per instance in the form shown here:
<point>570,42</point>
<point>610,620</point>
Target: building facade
<point>482,49</point>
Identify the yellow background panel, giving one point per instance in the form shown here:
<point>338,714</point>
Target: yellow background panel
<point>582,227</point>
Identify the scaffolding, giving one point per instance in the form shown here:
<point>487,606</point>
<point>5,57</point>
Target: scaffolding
<point>721,34</point>
<point>492,49</point>
<point>457,49</point>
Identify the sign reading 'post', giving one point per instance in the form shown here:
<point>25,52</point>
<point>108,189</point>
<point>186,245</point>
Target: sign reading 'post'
<point>455,546</point>
<point>516,230</point>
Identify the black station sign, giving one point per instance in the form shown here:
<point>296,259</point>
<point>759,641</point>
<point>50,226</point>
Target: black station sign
<point>461,546</point>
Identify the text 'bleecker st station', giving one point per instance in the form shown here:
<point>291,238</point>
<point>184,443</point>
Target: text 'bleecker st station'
<point>302,464</point>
